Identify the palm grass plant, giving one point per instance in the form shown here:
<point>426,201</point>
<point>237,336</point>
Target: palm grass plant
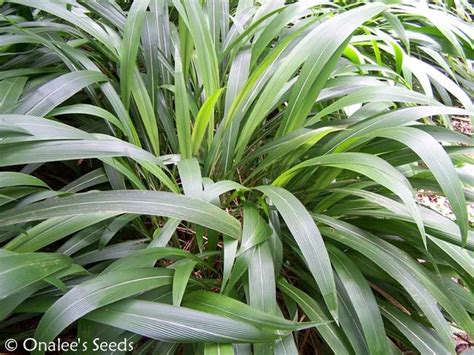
<point>236,176</point>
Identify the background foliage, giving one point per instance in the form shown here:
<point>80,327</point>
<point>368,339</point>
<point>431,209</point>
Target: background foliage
<point>229,177</point>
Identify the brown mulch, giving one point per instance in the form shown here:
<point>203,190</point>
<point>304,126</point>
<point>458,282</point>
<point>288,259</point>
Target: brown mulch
<point>462,125</point>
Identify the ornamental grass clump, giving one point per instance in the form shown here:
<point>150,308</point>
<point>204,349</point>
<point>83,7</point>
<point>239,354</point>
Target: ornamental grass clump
<point>235,176</point>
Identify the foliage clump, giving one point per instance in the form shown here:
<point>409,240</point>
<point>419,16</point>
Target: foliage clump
<point>236,176</point>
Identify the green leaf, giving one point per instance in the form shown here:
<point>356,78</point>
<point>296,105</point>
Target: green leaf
<point>328,46</point>
<point>213,191</point>
<point>372,94</point>
<point>228,307</point>
<point>362,300</point>
<point>183,120</point>
<point>86,109</point>
<point>373,167</point>
<point>162,236</point>
<point>148,257</point>
<point>145,108</point>
<point>181,277</point>
<point>197,22</point>
<point>255,230</point>
<point>45,98</point>
<point>202,120</point>
<point>114,227</point>
<point>98,292</point>
<point>177,324</point>
<point>8,179</point>
<point>10,303</point>
<point>53,229</point>
<point>79,19</point>
<point>133,202</point>
<point>309,240</point>
<point>261,271</point>
<point>421,337</point>
<point>437,160</point>
<point>41,128</point>
<point>191,179</point>
<point>80,240</point>
<point>218,349</point>
<point>329,331</point>
<point>287,148</point>
<point>395,118</point>
<point>407,273</point>
<point>129,47</point>
<point>11,90</point>
<point>19,271</point>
